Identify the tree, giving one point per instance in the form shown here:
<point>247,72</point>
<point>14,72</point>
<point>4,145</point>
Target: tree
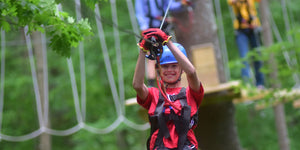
<point>278,109</point>
<point>64,31</point>
<point>216,121</point>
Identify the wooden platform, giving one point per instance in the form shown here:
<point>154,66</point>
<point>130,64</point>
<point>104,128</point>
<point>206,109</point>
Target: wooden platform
<point>207,90</point>
<point>246,96</point>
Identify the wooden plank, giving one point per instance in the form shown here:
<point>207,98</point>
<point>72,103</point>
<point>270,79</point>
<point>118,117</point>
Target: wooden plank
<point>246,97</point>
<point>205,64</point>
<point>221,87</point>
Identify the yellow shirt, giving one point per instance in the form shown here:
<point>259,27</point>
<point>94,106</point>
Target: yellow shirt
<point>241,6</point>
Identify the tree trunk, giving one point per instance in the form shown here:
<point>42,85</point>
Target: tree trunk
<point>278,109</point>
<point>45,139</point>
<point>216,128</point>
<point>203,30</point>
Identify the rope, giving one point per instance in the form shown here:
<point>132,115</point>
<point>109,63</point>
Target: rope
<point>34,77</point>
<point>74,85</point>
<point>26,137</point>
<point>107,60</point>
<point>82,66</point>
<point>118,55</point>
<point>74,90</point>
<point>64,132</point>
<point>2,76</point>
<point>45,77</point>
<point>109,129</point>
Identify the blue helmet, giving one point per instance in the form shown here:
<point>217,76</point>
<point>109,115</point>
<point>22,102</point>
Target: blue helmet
<point>167,56</point>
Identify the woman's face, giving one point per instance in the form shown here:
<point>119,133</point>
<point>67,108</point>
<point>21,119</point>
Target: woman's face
<point>170,72</point>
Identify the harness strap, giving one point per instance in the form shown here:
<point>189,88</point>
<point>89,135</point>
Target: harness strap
<point>179,96</point>
<point>240,17</point>
<point>182,123</point>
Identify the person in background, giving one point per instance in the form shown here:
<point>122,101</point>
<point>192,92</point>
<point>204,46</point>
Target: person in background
<point>172,109</point>
<point>247,28</point>
<point>149,14</point>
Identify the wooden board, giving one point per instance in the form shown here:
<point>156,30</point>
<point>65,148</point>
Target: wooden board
<point>203,58</point>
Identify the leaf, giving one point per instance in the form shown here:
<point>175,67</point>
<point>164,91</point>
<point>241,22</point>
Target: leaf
<point>5,25</point>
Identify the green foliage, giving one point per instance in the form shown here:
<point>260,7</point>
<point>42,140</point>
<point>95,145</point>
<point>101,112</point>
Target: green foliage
<point>64,37</point>
<point>256,128</point>
<point>64,31</point>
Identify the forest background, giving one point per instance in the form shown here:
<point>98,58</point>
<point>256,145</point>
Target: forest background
<point>256,128</point>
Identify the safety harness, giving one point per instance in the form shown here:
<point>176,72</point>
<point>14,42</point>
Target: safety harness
<point>239,15</point>
<point>183,122</point>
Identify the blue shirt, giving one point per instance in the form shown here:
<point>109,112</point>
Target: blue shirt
<point>157,9</point>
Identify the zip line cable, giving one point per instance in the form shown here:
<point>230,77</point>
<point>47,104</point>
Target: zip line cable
<point>124,30</point>
<point>163,21</point>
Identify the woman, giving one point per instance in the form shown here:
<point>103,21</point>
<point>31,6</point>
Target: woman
<point>172,109</point>
<point>247,36</point>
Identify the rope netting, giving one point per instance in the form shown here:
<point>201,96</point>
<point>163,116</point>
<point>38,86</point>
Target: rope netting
<point>80,108</point>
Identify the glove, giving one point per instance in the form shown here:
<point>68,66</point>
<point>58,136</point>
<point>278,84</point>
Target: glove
<point>144,44</point>
<point>159,35</point>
